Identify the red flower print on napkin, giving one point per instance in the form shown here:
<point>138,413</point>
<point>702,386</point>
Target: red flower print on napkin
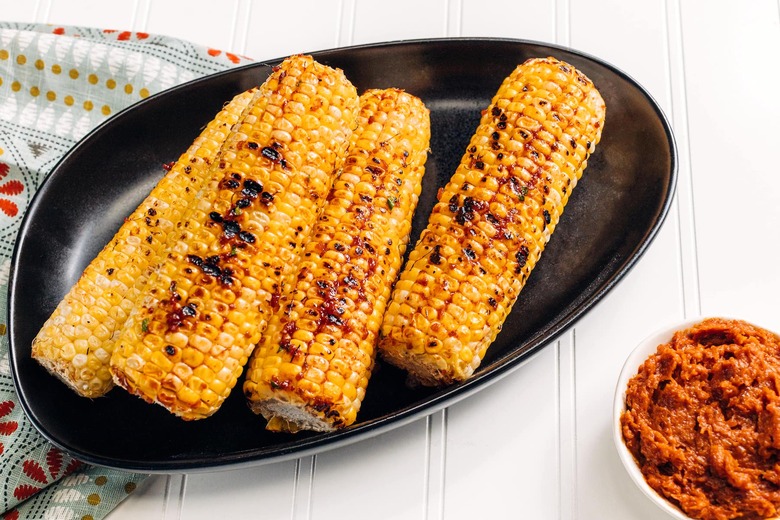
<point>127,35</point>
<point>229,55</point>
<point>10,188</point>
<point>37,473</point>
<point>54,461</point>
<point>6,427</point>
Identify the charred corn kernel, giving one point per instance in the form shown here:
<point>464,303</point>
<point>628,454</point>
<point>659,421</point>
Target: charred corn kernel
<point>492,221</point>
<point>313,363</point>
<point>111,284</point>
<point>248,227</point>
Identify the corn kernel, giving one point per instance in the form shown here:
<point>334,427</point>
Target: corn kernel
<point>188,396</point>
<point>192,357</point>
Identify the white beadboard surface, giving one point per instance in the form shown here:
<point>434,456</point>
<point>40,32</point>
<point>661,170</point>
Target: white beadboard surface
<point>536,444</point>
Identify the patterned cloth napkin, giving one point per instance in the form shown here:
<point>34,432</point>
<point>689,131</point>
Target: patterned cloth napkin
<point>56,84</point>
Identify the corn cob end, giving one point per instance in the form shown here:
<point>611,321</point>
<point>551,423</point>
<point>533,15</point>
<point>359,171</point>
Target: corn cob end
<point>290,416</point>
<point>75,372</point>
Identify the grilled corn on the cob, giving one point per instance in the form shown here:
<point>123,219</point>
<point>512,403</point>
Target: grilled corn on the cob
<point>312,366</point>
<point>186,345</point>
<point>77,340</point>
<point>492,221</point>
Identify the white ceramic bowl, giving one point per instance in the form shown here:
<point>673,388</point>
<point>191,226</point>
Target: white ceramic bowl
<point>645,348</point>
<point>642,351</point>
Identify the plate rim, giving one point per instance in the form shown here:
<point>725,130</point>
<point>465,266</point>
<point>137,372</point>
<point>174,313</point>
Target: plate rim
<point>447,396</point>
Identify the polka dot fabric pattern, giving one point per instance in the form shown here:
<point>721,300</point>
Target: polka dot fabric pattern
<point>89,74</point>
<point>57,84</point>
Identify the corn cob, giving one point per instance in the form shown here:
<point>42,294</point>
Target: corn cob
<point>312,366</point>
<point>207,304</point>
<point>77,340</point>
<point>492,221</point>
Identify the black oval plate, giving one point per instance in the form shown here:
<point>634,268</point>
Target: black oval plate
<point>611,218</point>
